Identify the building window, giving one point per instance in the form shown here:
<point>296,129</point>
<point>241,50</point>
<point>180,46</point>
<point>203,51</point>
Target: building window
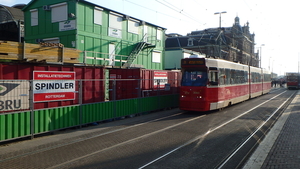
<point>145,29</point>
<point>51,40</point>
<point>158,34</point>
<point>190,42</point>
<point>98,16</point>
<point>59,12</point>
<point>156,57</point>
<point>115,25</point>
<point>115,21</point>
<point>133,26</point>
<point>34,17</point>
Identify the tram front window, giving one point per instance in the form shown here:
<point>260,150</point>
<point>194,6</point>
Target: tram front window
<point>194,78</point>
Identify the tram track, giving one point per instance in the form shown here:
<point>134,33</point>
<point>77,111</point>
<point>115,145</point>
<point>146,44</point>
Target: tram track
<point>218,127</point>
<point>276,114</point>
<point>190,128</point>
<point>84,139</point>
<point>129,141</point>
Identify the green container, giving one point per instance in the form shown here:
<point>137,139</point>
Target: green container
<point>14,125</point>
<point>100,40</point>
<point>58,118</point>
<point>97,112</point>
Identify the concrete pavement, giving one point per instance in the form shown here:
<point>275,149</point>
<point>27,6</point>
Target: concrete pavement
<point>281,146</point>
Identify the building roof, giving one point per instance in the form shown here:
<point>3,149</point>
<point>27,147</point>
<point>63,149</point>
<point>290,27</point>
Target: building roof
<point>9,14</point>
<point>198,40</point>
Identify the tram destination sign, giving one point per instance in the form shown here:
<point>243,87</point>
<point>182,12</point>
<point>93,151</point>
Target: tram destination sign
<point>194,61</point>
<point>53,86</point>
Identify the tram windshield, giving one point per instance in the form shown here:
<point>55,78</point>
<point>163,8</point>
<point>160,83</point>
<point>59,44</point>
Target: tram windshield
<point>194,78</point>
<point>292,78</point>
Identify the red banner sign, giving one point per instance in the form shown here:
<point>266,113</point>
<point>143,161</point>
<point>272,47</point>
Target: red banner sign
<point>53,86</point>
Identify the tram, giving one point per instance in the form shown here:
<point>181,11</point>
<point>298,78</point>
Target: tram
<point>292,80</point>
<point>209,84</point>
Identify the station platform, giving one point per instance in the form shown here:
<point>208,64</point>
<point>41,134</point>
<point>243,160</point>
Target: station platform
<point>281,146</point>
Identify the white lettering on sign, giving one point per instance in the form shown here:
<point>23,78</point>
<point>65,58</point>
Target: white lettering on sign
<point>54,75</point>
<point>55,96</point>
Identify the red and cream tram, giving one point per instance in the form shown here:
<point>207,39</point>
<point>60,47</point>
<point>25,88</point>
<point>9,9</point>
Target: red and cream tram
<point>292,80</point>
<point>209,84</point>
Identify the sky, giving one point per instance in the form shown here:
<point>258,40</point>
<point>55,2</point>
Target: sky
<point>275,23</point>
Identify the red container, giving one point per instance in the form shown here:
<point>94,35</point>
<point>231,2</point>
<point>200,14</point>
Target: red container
<point>169,82</point>
<point>133,83</point>
<point>92,80</point>
<point>126,83</point>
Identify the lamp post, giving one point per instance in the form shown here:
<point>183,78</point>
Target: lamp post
<point>270,62</point>
<point>272,70</point>
<point>260,54</point>
<point>220,13</point>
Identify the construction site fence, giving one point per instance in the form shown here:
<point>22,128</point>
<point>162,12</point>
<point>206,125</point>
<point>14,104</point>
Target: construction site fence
<point>28,109</point>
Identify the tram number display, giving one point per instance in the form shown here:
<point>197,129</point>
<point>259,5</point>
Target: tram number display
<point>192,62</point>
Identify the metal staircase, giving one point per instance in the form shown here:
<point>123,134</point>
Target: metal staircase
<point>136,51</point>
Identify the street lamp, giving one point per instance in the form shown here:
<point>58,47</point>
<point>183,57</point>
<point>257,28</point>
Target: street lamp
<point>270,62</point>
<point>260,54</point>
<point>220,13</point>
<point>272,69</point>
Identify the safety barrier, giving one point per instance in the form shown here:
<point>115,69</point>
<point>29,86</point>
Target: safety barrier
<point>21,116</point>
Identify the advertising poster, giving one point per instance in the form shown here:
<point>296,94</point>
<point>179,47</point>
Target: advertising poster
<point>160,79</point>
<point>53,86</point>
<point>14,95</point>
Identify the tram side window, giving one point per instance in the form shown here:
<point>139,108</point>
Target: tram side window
<point>238,79</point>
<point>233,76</point>
<point>213,77</point>
<point>222,76</point>
<point>259,77</point>
<point>242,76</point>
<point>255,77</point>
<point>228,76</point>
<point>246,76</point>
<point>267,77</point>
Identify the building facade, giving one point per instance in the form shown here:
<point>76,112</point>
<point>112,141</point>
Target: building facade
<point>106,37</point>
<point>234,43</point>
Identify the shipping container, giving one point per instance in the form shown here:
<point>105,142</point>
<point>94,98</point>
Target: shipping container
<point>91,77</point>
<point>124,83</point>
<point>133,83</point>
